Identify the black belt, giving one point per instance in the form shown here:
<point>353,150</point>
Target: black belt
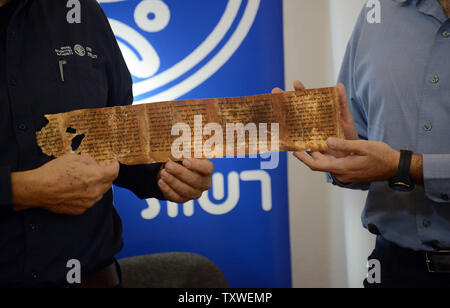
<point>435,262</point>
<point>438,262</point>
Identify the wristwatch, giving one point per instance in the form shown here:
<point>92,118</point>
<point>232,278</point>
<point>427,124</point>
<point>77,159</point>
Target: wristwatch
<point>402,181</point>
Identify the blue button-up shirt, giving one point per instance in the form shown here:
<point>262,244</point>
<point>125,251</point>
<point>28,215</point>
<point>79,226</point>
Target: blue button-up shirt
<point>397,74</point>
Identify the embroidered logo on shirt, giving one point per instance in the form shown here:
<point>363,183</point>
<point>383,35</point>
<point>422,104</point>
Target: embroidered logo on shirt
<point>64,51</point>
<point>90,53</point>
<point>79,50</point>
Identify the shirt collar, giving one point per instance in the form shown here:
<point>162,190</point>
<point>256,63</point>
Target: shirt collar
<point>428,7</point>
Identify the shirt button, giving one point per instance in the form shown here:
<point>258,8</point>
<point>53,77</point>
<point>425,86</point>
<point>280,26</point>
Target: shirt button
<point>427,223</point>
<point>32,227</point>
<point>446,34</point>
<point>435,80</point>
<point>428,127</point>
<point>22,127</point>
<point>445,197</point>
<point>34,276</point>
<point>13,82</point>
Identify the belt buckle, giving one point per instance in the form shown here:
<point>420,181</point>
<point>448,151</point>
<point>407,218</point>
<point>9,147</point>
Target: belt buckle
<point>430,262</point>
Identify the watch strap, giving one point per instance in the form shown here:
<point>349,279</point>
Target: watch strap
<point>402,180</point>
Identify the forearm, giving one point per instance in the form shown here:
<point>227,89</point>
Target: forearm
<point>5,192</point>
<point>416,171</point>
<point>23,188</point>
<point>17,190</point>
<point>353,186</point>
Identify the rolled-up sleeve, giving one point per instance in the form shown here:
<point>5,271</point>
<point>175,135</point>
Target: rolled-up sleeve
<point>436,173</point>
<point>6,206</point>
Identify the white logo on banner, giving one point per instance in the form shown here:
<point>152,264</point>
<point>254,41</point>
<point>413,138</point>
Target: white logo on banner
<point>145,65</point>
<point>218,192</point>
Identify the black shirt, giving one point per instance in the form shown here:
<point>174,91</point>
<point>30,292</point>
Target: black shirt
<point>6,12</point>
<point>35,245</point>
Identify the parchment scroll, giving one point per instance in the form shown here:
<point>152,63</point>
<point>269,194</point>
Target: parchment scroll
<point>142,134</point>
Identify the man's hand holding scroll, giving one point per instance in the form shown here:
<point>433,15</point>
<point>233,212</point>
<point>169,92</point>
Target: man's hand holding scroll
<point>68,185</point>
<point>353,160</point>
<point>72,184</point>
<point>183,182</point>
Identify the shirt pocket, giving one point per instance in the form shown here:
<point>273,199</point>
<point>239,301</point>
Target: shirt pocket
<point>82,85</point>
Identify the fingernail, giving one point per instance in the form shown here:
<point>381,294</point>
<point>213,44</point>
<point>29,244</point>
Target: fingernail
<point>332,142</point>
<point>187,163</point>
<point>169,166</point>
<point>164,174</point>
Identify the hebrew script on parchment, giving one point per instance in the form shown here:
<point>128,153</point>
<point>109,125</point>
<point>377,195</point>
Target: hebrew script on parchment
<point>149,133</point>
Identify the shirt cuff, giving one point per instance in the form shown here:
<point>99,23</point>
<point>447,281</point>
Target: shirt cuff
<point>141,180</point>
<point>355,186</point>
<point>436,174</point>
<point>6,202</point>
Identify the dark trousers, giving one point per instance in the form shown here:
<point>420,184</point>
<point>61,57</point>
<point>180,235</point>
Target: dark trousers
<point>404,268</point>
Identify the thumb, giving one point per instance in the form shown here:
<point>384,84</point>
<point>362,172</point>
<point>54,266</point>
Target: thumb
<point>277,91</point>
<point>349,146</point>
<point>111,169</point>
<point>298,85</point>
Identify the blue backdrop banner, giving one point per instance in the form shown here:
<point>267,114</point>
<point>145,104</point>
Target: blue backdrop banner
<point>201,49</point>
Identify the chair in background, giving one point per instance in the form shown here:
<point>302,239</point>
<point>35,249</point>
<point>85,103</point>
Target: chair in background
<point>171,270</point>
